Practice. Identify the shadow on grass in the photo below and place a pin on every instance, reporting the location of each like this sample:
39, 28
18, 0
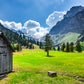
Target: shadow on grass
50, 56
4, 75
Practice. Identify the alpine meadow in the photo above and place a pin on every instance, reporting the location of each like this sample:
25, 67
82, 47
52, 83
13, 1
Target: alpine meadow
42, 42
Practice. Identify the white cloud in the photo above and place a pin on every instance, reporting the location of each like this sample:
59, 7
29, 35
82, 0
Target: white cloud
11, 25
31, 24
31, 27
34, 29
42, 32
54, 18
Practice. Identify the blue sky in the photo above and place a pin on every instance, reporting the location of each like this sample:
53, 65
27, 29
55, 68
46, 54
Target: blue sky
23, 12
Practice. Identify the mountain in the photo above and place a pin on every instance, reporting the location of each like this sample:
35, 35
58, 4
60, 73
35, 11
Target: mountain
61, 24
69, 29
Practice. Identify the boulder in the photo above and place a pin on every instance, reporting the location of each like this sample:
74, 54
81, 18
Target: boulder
52, 74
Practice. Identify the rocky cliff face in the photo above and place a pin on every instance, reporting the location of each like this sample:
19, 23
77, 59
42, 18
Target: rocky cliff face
70, 28
69, 19
75, 24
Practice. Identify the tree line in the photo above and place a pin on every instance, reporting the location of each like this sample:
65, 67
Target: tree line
19, 40
68, 47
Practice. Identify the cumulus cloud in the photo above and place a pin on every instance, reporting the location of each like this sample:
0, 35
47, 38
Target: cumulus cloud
11, 25
31, 27
54, 18
34, 29
31, 24
42, 31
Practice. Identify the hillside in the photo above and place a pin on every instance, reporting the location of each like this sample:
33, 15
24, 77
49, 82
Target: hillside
70, 28
14, 37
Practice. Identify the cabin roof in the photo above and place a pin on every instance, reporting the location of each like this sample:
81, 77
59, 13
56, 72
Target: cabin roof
8, 43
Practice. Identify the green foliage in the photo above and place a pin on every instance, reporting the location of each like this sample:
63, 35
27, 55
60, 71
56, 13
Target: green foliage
71, 47
40, 45
19, 47
78, 47
31, 67
58, 49
54, 48
15, 38
67, 47
48, 43
62, 47
31, 46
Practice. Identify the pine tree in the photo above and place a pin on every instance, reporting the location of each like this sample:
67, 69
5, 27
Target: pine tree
23, 36
31, 46
58, 49
19, 47
71, 47
40, 45
67, 47
62, 47
48, 44
78, 47
54, 49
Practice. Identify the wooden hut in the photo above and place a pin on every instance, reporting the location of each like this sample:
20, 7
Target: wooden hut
5, 55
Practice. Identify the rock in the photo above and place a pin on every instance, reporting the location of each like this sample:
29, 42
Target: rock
52, 74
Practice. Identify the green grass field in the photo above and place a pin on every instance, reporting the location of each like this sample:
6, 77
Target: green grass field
31, 67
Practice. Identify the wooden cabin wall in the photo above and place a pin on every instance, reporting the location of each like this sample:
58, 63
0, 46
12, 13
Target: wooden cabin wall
5, 57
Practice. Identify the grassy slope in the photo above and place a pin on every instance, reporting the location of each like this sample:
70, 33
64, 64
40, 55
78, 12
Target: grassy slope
32, 67
69, 37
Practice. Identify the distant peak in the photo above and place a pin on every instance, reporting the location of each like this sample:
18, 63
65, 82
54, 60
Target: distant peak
76, 8
73, 11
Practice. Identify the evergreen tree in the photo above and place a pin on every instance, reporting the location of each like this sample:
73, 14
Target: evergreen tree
19, 47
48, 44
62, 47
23, 36
31, 46
54, 49
67, 47
58, 49
71, 47
78, 47
40, 45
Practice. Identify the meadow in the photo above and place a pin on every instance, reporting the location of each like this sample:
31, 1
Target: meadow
31, 67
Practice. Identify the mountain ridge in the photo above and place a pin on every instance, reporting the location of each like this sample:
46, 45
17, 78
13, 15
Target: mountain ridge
61, 24
73, 24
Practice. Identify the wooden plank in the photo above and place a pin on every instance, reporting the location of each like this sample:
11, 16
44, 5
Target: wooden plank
5, 57
0, 63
